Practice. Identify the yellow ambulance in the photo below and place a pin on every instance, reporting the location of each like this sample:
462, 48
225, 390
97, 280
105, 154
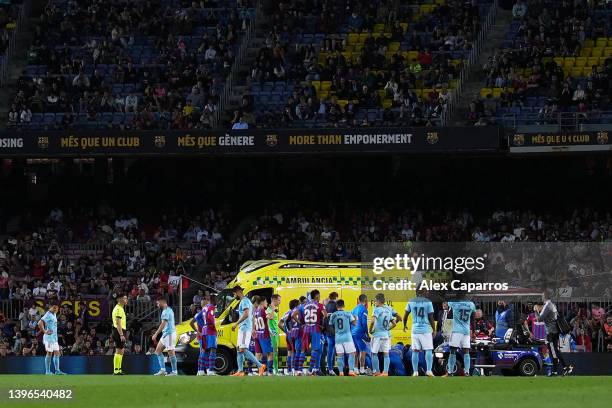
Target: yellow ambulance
289, 279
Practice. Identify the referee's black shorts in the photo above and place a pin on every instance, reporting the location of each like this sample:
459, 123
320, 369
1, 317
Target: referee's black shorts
117, 339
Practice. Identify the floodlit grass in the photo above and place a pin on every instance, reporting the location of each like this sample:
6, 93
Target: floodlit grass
190, 391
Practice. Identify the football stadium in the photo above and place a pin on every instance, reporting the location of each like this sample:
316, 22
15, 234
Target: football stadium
316, 202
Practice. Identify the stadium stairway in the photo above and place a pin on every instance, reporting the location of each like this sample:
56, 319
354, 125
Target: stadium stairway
261, 29
19, 60
473, 84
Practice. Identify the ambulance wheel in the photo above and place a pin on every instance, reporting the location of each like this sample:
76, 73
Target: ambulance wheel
225, 361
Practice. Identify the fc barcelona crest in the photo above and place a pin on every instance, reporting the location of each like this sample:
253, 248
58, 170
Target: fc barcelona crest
272, 140
43, 142
160, 141
432, 137
602, 137
518, 139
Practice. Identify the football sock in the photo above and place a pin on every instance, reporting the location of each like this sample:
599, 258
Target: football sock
249, 356
375, 363
386, 361
290, 363
56, 363
340, 359
162, 363
47, 363
351, 362
240, 361
202, 361
212, 358
429, 359
415, 362
173, 364
466, 362
452, 358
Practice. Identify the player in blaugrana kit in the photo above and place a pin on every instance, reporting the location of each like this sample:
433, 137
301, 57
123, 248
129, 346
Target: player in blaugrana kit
310, 315
291, 330
342, 321
262, 334
422, 329
198, 324
382, 322
463, 315
48, 325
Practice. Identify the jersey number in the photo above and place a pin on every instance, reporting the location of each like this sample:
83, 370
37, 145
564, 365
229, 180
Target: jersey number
464, 315
420, 312
259, 323
310, 316
340, 324
385, 323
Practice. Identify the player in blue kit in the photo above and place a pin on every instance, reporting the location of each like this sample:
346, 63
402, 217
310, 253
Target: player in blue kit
463, 315
342, 321
422, 329
48, 325
168, 339
245, 330
360, 332
382, 322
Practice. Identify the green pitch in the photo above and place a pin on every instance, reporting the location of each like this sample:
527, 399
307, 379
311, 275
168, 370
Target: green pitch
190, 391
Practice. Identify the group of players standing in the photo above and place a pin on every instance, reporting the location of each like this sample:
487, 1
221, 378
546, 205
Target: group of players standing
309, 323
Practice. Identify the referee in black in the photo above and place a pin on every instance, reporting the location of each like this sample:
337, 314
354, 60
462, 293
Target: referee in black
119, 326
547, 313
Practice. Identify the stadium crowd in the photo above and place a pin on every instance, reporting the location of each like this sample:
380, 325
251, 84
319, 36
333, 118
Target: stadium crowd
385, 63
139, 65
547, 65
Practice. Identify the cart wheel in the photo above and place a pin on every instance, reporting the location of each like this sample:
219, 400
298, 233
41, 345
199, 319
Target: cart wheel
527, 368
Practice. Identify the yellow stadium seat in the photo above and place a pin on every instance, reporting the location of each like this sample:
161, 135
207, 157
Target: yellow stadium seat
592, 61
418, 92
394, 46
588, 43
601, 42
485, 91
580, 62
497, 92
607, 52
382, 94
454, 83
349, 48
569, 60
342, 102
597, 52
425, 8
379, 28
586, 52
325, 85
323, 94
577, 72
353, 38
528, 72
440, 2
413, 55
404, 26
317, 85
358, 48
426, 92
559, 61
362, 37
322, 57
347, 55
387, 103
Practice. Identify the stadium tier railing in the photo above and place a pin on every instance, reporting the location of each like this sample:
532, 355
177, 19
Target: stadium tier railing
559, 122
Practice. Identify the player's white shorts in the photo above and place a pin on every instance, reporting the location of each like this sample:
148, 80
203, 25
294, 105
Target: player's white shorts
51, 346
460, 340
345, 348
381, 345
244, 339
169, 341
422, 341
